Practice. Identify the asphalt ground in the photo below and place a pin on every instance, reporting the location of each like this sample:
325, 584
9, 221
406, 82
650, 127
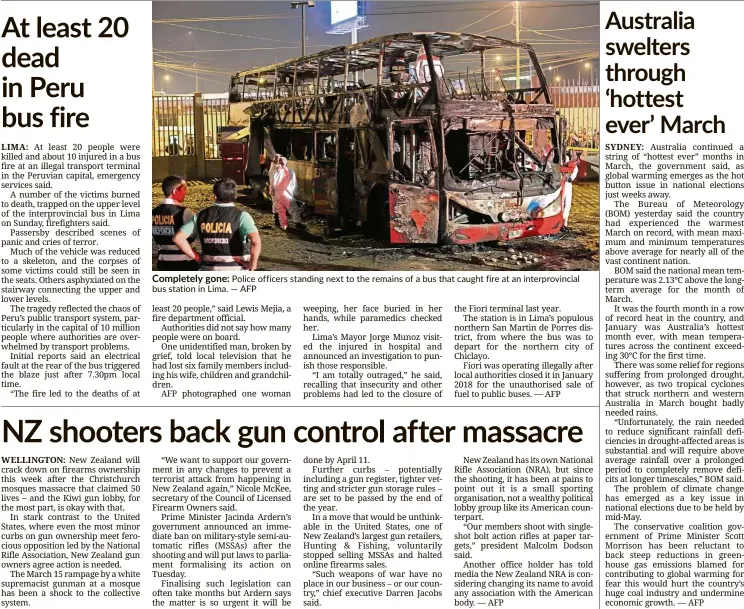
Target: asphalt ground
311, 250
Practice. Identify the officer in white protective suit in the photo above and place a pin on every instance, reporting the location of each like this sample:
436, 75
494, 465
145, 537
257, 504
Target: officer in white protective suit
282, 187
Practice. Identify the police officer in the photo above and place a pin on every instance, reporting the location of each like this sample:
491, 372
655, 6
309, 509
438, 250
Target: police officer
229, 237
167, 219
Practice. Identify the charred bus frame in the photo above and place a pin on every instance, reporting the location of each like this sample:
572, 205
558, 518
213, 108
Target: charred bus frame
428, 160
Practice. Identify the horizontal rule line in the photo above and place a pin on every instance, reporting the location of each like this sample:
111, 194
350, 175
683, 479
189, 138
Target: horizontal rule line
299, 406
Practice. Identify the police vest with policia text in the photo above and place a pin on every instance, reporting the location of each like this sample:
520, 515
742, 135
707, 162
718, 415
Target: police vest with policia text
219, 233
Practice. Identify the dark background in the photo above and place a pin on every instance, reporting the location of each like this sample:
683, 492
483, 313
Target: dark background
271, 34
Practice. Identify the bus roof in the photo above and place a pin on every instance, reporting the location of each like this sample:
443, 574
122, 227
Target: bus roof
365, 55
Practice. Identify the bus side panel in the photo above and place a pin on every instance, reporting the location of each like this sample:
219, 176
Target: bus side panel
324, 191
414, 214
304, 171
237, 115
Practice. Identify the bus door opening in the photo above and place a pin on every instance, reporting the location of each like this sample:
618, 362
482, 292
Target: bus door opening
345, 171
414, 182
324, 182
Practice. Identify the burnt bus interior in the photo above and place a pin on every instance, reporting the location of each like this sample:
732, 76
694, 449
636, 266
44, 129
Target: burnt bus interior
434, 111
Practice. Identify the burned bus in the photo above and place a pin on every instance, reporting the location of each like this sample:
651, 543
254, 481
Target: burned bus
393, 134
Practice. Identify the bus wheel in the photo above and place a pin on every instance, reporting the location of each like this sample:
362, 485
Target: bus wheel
378, 216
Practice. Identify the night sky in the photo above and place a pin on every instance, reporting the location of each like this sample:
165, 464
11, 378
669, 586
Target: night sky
278, 37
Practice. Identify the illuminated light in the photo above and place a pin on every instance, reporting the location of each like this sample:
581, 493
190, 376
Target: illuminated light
432, 198
587, 65
166, 77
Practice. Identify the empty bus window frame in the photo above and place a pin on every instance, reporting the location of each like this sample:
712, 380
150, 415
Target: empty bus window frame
302, 145
325, 147
412, 153
280, 140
